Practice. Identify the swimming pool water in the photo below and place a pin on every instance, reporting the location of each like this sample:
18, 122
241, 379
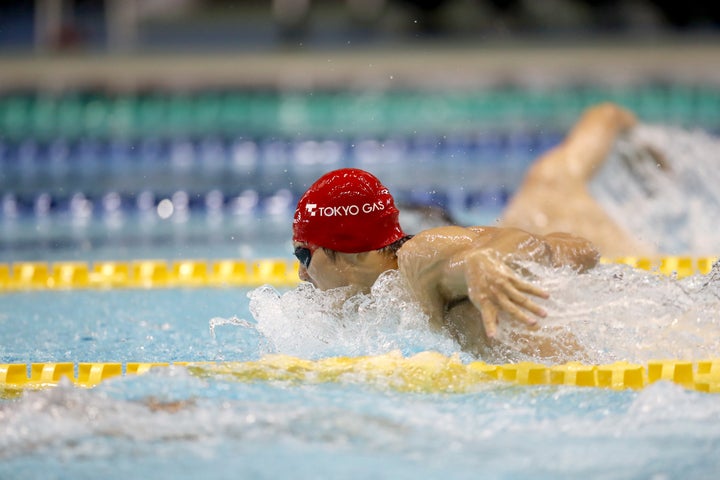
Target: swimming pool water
263, 430
122, 325
173, 423
226, 428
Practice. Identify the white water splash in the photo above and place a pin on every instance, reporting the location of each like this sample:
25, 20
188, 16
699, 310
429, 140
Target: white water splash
614, 312
620, 313
234, 321
676, 208
311, 323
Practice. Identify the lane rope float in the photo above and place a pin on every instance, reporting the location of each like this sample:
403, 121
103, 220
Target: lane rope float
425, 372
227, 272
147, 274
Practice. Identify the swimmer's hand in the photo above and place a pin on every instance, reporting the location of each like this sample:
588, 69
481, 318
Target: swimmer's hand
493, 286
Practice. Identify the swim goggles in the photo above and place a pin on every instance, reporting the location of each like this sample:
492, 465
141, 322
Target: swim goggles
304, 255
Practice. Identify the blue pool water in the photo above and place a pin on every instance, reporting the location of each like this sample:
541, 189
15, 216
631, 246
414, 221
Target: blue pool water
227, 428
216, 427
233, 430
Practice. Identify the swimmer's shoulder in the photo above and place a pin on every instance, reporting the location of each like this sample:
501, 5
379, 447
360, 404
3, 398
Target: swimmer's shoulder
484, 230
450, 234
427, 250
454, 231
439, 242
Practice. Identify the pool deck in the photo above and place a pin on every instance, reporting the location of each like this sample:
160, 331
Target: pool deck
448, 66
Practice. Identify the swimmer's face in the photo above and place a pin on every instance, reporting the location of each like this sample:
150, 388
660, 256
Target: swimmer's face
321, 270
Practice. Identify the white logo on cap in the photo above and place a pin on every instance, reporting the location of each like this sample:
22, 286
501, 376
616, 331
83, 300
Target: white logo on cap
343, 210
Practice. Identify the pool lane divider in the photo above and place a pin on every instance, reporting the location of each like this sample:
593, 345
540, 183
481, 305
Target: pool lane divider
147, 274
229, 272
425, 372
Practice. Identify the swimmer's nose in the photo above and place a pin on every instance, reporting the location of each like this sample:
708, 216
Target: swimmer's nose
303, 274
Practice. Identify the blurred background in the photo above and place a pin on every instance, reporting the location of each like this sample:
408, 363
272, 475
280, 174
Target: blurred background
189, 128
263, 25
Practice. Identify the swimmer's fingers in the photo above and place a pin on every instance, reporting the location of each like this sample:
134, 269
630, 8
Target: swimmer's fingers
517, 299
506, 296
493, 286
518, 304
488, 312
512, 308
529, 288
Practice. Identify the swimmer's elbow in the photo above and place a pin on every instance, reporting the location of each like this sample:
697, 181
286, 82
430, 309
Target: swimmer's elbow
587, 260
575, 252
587, 255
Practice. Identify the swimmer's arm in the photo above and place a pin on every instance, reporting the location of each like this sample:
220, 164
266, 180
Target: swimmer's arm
487, 272
445, 264
419, 262
589, 142
572, 251
556, 249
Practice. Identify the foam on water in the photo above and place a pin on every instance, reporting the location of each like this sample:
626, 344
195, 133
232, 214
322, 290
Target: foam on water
661, 183
171, 424
310, 323
233, 430
619, 313
613, 312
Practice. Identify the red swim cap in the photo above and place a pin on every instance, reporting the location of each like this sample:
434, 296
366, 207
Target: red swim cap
347, 210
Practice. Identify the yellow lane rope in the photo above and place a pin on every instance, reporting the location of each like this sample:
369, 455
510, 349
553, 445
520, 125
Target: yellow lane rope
239, 273
426, 372
147, 274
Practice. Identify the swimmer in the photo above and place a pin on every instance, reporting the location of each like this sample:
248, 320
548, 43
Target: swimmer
554, 194
346, 233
